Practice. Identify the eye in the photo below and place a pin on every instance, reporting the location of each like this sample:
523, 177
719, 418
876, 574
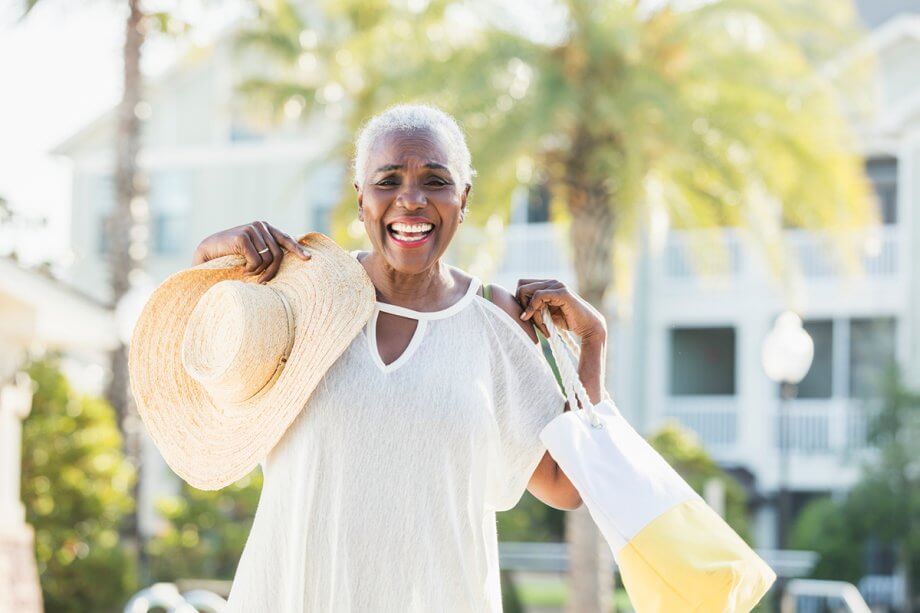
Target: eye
437, 181
386, 182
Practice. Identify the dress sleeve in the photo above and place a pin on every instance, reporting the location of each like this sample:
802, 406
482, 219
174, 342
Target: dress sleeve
525, 397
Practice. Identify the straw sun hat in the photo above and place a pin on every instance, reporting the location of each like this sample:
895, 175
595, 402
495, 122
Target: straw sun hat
220, 365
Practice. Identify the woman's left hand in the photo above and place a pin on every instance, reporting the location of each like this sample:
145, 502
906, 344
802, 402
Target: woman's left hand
568, 310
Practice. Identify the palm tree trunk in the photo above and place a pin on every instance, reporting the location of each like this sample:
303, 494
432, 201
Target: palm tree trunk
590, 578
122, 259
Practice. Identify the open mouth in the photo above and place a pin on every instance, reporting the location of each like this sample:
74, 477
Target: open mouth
410, 234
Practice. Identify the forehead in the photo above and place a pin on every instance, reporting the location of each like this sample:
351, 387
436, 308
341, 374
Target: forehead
396, 146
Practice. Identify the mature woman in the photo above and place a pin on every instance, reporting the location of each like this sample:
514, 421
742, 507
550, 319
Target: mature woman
382, 494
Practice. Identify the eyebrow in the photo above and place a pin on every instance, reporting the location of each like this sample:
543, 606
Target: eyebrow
431, 165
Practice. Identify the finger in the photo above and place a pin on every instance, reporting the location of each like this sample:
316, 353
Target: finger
547, 297
525, 291
523, 281
288, 243
265, 257
277, 255
253, 259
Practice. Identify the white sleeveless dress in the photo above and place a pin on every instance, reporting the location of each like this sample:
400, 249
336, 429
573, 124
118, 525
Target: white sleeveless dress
381, 496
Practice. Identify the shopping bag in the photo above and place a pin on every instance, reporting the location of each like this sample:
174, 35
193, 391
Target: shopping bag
674, 553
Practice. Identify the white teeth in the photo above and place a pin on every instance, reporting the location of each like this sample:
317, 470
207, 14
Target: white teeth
417, 227
408, 239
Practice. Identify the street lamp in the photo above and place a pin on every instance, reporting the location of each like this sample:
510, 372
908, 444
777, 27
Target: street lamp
787, 355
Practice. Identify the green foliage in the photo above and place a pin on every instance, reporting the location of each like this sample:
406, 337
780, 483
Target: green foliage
76, 487
206, 530
531, 520
884, 507
682, 451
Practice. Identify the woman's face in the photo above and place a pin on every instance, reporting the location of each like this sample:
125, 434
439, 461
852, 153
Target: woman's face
412, 200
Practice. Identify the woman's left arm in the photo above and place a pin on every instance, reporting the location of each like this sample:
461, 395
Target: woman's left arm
569, 311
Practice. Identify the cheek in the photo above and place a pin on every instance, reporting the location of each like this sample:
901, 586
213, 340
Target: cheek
372, 207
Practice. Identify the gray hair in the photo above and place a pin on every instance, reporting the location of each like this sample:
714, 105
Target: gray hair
409, 117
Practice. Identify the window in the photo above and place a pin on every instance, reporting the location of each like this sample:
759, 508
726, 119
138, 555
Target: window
702, 361
247, 123
883, 174
818, 383
170, 204
872, 349
323, 190
101, 195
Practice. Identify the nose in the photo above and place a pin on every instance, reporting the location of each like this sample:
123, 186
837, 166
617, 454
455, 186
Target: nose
412, 196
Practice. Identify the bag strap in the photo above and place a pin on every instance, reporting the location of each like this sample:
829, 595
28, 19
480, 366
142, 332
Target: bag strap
544, 343
561, 343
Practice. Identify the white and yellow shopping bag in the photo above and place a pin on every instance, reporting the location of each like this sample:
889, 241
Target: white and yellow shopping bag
674, 553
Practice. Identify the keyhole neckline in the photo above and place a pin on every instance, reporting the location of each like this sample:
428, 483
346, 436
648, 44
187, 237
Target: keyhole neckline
394, 309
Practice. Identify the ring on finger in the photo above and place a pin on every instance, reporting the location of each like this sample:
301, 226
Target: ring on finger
264, 250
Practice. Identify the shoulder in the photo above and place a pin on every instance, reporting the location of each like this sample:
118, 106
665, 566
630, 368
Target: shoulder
507, 302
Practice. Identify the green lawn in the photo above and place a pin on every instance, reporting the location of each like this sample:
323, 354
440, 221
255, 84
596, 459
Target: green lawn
553, 593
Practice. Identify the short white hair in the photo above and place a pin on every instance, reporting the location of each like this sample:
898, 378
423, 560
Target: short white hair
407, 118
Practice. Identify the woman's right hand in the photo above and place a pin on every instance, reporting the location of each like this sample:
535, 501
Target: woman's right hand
248, 240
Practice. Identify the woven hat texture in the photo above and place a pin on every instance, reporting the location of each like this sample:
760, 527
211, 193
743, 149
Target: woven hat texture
220, 365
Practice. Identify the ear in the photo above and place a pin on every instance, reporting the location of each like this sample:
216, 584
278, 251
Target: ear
360, 202
463, 199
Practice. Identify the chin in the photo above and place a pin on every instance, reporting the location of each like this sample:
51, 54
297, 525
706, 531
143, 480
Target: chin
410, 257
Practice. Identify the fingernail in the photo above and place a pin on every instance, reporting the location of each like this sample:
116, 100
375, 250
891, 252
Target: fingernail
524, 315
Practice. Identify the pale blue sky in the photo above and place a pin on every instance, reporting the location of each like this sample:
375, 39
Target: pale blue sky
59, 69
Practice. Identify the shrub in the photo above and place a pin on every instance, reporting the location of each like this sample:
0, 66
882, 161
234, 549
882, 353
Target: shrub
76, 486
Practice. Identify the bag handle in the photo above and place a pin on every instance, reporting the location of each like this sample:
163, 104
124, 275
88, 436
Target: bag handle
565, 351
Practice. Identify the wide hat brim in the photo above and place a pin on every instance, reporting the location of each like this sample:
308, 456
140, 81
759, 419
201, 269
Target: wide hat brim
212, 444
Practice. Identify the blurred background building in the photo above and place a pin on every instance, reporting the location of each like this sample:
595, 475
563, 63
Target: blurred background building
686, 347
690, 350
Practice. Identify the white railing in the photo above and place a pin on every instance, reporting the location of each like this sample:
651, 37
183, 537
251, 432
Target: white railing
542, 250
823, 426
714, 419
809, 427
536, 250
690, 255
815, 254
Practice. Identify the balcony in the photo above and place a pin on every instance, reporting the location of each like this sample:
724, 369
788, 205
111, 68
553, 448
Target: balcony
534, 251
691, 259
726, 258
834, 427
714, 419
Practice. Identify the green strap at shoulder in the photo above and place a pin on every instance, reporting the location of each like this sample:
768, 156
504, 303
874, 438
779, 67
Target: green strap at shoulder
544, 343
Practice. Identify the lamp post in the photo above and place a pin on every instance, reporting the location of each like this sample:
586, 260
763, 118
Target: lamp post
787, 355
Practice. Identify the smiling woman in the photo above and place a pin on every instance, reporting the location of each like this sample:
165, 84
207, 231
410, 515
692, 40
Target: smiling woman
413, 178
381, 495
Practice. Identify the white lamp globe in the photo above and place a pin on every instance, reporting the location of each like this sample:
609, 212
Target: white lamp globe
788, 350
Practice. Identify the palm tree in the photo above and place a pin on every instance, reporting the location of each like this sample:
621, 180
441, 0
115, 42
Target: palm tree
717, 113
124, 233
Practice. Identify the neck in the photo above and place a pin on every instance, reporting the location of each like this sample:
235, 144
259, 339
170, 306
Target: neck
424, 290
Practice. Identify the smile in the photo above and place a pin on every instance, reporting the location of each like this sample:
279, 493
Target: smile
410, 235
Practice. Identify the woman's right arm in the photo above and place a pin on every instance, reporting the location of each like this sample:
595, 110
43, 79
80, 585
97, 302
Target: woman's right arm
248, 240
